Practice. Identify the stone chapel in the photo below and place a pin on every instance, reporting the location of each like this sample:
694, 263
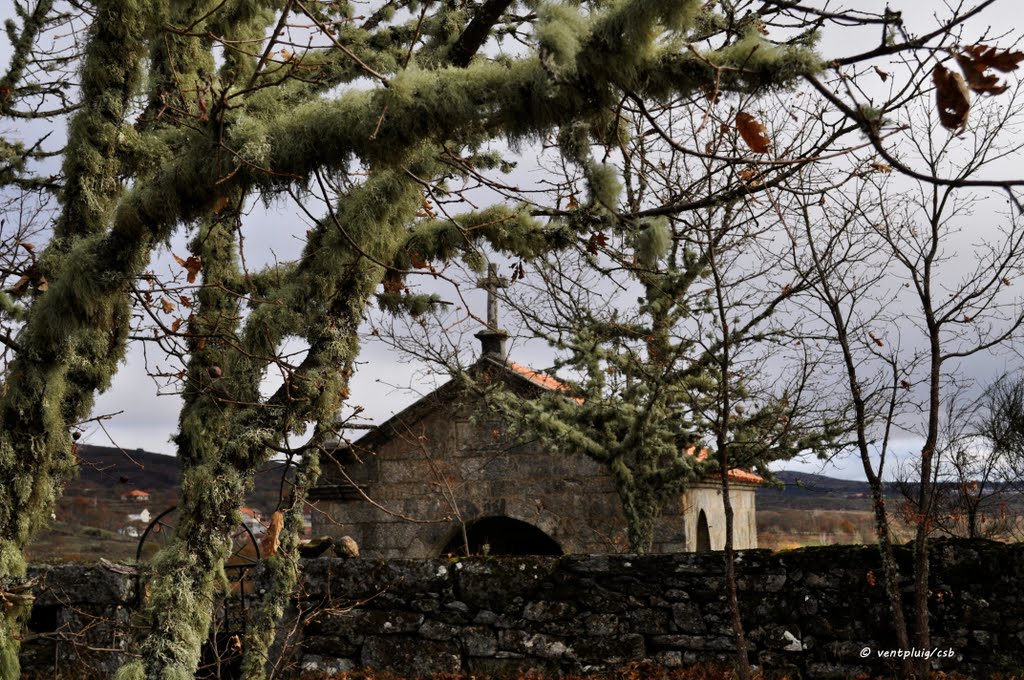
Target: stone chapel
441, 474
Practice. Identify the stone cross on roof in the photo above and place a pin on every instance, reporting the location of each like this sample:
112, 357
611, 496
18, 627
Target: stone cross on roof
493, 338
491, 283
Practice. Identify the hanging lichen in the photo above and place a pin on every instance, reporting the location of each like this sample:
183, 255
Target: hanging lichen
257, 120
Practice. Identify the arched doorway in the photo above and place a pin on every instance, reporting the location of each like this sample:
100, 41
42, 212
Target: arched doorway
703, 533
502, 536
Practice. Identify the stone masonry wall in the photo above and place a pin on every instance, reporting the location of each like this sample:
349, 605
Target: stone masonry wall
808, 613
446, 461
80, 622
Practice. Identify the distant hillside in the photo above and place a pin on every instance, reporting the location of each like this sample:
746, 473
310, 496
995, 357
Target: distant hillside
107, 467
92, 520
801, 490
106, 470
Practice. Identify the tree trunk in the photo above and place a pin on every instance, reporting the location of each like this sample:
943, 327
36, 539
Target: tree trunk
281, 572
890, 572
72, 347
640, 524
736, 617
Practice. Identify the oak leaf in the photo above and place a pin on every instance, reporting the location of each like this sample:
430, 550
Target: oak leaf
193, 265
1000, 60
753, 133
977, 77
952, 97
976, 60
596, 241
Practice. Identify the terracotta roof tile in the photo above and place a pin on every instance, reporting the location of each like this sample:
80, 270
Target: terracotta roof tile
736, 474
542, 379
550, 383
536, 377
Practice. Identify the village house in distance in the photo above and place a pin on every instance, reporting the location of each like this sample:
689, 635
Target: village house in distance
446, 457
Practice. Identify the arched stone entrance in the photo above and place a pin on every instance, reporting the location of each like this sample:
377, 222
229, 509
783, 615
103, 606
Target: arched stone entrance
502, 536
703, 533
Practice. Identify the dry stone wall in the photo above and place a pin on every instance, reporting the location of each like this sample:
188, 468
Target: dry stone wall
80, 624
809, 613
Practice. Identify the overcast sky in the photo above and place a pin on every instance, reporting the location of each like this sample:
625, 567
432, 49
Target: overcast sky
386, 382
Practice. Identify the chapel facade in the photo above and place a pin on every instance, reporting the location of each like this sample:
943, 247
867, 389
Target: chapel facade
443, 474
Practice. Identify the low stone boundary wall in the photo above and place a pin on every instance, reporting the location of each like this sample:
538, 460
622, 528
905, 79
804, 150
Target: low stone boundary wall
80, 622
808, 613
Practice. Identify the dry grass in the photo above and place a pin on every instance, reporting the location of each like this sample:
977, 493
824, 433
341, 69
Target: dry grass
788, 529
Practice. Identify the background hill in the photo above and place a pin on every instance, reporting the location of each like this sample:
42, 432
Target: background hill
801, 490
105, 470
93, 518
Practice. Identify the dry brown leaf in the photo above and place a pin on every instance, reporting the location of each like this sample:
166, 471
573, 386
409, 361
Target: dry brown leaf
417, 261
271, 540
176, 324
596, 241
747, 174
753, 133
977, 77
976, 60
166, 305
194, 265
952, 98
426, 209
881, 167
884, 75
394, 282
987, 56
